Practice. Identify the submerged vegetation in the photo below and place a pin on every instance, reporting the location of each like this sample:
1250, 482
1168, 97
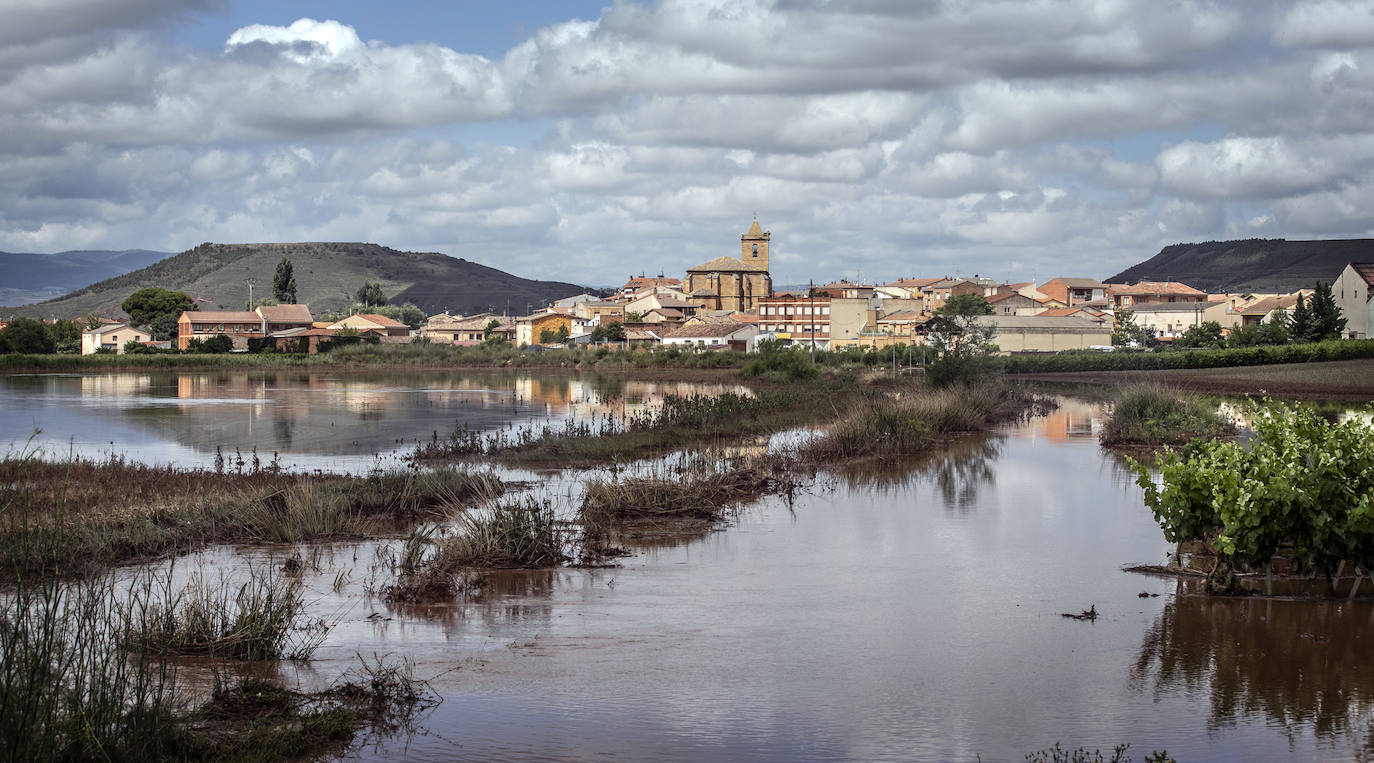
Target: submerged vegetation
65, 518
910, 422
1304, 483
1154, 415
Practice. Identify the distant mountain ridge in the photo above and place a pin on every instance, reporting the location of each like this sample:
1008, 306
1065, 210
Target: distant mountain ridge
32, 277
327, 274
1251, 265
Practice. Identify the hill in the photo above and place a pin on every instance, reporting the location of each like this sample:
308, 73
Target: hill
33, 277
1250, 266
327, 275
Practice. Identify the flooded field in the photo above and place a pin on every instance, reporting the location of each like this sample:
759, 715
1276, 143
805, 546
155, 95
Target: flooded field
333, 421
911, 614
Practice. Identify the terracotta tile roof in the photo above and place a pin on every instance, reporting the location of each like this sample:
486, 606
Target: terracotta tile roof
1081, 283
706, 329
1270, 304
727, 265
286, 313
1059, 312
913, 283
1154, 287
381, 320
1364, 270
223, 316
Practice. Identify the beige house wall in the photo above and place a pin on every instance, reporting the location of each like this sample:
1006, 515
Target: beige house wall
1050, 340
1352, 296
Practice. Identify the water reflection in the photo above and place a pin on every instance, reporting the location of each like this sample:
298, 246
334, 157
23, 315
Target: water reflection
1298, 664
181, 418
958, 471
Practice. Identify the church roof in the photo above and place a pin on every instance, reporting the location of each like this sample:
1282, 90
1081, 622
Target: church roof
727, 265
754, 230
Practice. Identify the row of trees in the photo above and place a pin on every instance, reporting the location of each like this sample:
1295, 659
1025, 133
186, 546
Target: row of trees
1311, 321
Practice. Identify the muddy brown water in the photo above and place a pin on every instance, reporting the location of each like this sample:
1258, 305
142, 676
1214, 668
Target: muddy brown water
902, 614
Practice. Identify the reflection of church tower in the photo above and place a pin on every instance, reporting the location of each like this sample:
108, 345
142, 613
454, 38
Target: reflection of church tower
753, 249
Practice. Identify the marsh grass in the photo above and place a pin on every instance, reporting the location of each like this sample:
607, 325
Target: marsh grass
700, 493
257, 619
914, 419
1153, 415
691, 421
85, 525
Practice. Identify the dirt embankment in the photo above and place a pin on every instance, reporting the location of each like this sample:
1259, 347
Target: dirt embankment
1347, 380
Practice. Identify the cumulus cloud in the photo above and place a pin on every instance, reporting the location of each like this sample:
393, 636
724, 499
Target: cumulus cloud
1074, 136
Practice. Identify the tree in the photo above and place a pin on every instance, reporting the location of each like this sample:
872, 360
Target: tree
491, 326
1127, 333
610, 332
284, 282
157, 309
962, 342
1301, 323
370, 294
28, 336
561, 336
546, 336
66, 335
1206, 334
1326, 319
1275, 331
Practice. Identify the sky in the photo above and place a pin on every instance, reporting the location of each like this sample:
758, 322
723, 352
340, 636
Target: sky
593, 141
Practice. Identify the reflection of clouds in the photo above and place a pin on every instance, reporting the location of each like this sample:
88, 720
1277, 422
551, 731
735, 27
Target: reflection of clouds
1295, 664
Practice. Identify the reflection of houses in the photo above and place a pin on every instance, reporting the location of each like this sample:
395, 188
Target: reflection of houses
112, 336
727, 283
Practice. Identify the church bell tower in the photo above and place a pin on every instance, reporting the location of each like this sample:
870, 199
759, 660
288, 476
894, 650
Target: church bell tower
754, 247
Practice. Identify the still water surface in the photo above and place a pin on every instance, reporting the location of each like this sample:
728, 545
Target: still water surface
913, 615
334, 421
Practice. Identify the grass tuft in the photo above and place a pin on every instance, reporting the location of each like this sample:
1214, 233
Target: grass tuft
1151, 416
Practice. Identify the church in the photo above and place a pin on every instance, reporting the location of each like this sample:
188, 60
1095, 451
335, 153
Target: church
727, 283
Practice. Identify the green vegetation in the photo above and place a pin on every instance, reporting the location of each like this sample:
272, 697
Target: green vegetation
284, 282
26, 335
779, 363
158, 309
1152, 416
1303, 481
517, 533
1318, 321
1127, 333
370, 294
157, 511
961, 342
255, 620
698, 497
894, 426
1348, 349
610, 332
1057, 754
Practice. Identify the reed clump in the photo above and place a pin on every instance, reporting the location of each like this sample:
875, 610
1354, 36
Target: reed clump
520, 533
700, 496
159, 511
258, 619
1153, 415
914, 419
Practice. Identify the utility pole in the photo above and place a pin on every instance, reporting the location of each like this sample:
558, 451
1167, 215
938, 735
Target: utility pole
811, 308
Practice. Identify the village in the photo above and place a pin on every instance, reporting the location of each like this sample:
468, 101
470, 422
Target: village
730, 304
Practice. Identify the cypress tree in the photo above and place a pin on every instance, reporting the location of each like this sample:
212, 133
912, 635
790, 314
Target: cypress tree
1326, 321
1301, 324
284, 283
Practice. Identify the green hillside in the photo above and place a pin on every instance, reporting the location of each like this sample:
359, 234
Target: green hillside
327, 275
1250, 266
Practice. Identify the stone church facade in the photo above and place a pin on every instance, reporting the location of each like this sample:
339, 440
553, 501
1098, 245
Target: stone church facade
729, 283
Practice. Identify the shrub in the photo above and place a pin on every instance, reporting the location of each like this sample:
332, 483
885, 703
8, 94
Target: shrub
1152, 415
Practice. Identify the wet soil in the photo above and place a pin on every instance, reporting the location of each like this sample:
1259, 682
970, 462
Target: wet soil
1344, 380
